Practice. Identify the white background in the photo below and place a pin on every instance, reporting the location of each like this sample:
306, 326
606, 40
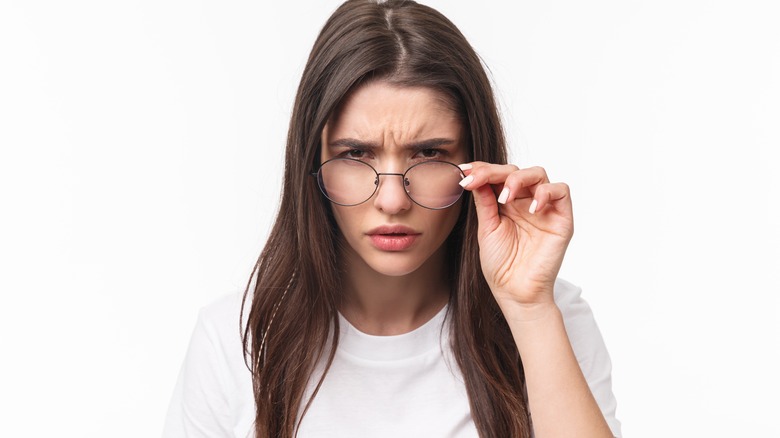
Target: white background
141, 162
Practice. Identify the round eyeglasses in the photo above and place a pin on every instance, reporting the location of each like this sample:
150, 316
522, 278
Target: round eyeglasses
431, 184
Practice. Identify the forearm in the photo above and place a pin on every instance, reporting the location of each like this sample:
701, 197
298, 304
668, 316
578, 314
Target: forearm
559, 398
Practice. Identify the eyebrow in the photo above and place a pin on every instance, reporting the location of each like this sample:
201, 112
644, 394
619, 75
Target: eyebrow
415, 145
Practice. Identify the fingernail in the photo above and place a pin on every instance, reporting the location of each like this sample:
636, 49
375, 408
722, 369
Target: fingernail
532, 210
466, 181
465, 166
503, 196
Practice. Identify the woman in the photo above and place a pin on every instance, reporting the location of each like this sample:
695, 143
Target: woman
409, 269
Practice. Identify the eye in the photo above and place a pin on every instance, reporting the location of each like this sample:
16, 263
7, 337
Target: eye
431, 153
355, 154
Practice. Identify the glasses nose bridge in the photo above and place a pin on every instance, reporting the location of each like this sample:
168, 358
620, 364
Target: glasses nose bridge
390, 174
404, 181
388, 195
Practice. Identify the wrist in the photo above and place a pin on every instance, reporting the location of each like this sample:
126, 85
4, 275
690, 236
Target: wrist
529, 312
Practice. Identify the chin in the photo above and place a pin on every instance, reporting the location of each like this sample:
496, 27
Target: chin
362, 256
393, 265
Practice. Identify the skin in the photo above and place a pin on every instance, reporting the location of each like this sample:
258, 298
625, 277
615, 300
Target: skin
521, 247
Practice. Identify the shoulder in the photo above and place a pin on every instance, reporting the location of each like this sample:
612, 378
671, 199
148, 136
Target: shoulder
213, 394
223, 307
220, 322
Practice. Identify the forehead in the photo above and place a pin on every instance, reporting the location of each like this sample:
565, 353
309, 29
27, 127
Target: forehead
379, 110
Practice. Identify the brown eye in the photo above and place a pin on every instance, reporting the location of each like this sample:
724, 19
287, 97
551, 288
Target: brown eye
431, 153
355, 153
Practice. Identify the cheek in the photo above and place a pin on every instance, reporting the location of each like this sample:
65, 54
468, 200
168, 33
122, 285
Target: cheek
455, 214
338, 217
446, 226
449, 217
346, 218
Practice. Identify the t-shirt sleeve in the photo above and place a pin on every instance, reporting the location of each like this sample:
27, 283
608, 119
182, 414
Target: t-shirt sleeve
201, 402
589, 348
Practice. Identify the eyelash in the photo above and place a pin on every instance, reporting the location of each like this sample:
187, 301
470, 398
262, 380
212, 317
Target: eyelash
349, 152
439, 152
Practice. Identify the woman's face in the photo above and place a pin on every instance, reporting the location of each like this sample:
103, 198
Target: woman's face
392, 128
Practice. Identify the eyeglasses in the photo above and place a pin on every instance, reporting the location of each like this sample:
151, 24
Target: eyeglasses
431, 184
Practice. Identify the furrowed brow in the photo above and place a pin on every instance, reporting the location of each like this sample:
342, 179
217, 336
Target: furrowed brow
429, 144
416, 145
352, 143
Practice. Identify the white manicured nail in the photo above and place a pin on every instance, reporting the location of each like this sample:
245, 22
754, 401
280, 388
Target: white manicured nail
465, 166
503, 196
466, 181
532, 210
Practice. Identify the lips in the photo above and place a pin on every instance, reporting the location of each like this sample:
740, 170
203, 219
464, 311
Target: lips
392, 237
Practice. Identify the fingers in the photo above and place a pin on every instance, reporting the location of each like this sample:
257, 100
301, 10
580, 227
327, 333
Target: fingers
509, 183
483, 173
557, 194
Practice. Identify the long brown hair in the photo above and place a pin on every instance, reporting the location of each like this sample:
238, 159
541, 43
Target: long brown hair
295, 283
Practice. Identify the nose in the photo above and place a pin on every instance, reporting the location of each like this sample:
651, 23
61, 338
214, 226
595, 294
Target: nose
391, 197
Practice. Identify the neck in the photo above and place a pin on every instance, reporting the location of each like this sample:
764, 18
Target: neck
383, 305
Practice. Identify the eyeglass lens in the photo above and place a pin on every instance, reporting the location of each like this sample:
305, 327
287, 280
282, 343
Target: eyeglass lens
431, 184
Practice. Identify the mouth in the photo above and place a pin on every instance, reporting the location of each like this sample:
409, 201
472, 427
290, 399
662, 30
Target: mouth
393, 230
393, 237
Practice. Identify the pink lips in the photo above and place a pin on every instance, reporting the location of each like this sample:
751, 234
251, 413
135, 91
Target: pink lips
392, 237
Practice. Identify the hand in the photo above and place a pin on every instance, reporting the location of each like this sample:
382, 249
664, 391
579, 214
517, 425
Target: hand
525, 225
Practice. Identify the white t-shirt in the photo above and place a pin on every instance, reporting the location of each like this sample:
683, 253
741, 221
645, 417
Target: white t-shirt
407, 385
